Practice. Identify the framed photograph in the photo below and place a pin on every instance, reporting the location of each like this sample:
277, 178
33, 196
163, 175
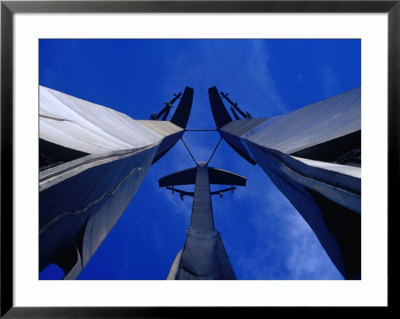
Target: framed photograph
149, 141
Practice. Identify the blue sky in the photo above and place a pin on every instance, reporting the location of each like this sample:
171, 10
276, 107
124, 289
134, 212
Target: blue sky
263, 234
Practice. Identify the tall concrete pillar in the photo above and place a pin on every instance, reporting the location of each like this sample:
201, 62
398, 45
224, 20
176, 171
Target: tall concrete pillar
313, 156
203, 256
92, 161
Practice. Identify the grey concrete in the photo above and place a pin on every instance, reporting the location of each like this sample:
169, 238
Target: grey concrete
82, 196
313, 124
326, 194
90, 201
94, 129
203, 256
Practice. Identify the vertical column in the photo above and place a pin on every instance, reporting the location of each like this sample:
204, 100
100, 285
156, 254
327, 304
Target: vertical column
202, 215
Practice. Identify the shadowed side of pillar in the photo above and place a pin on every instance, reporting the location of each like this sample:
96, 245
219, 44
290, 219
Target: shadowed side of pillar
203, 256
313, 156
92, 161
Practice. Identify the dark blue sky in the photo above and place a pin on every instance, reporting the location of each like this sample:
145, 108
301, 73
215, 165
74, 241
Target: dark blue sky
263, 234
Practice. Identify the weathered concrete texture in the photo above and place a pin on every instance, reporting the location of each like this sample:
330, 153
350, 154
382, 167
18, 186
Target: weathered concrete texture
297, 183
203, 256
202, 213
88, 204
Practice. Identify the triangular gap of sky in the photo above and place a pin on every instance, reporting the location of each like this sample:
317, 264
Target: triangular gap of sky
263, 234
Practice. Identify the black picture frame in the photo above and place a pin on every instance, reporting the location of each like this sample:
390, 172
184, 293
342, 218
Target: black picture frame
9, 8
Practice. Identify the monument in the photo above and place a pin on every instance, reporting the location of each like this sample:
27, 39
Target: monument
93, 159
